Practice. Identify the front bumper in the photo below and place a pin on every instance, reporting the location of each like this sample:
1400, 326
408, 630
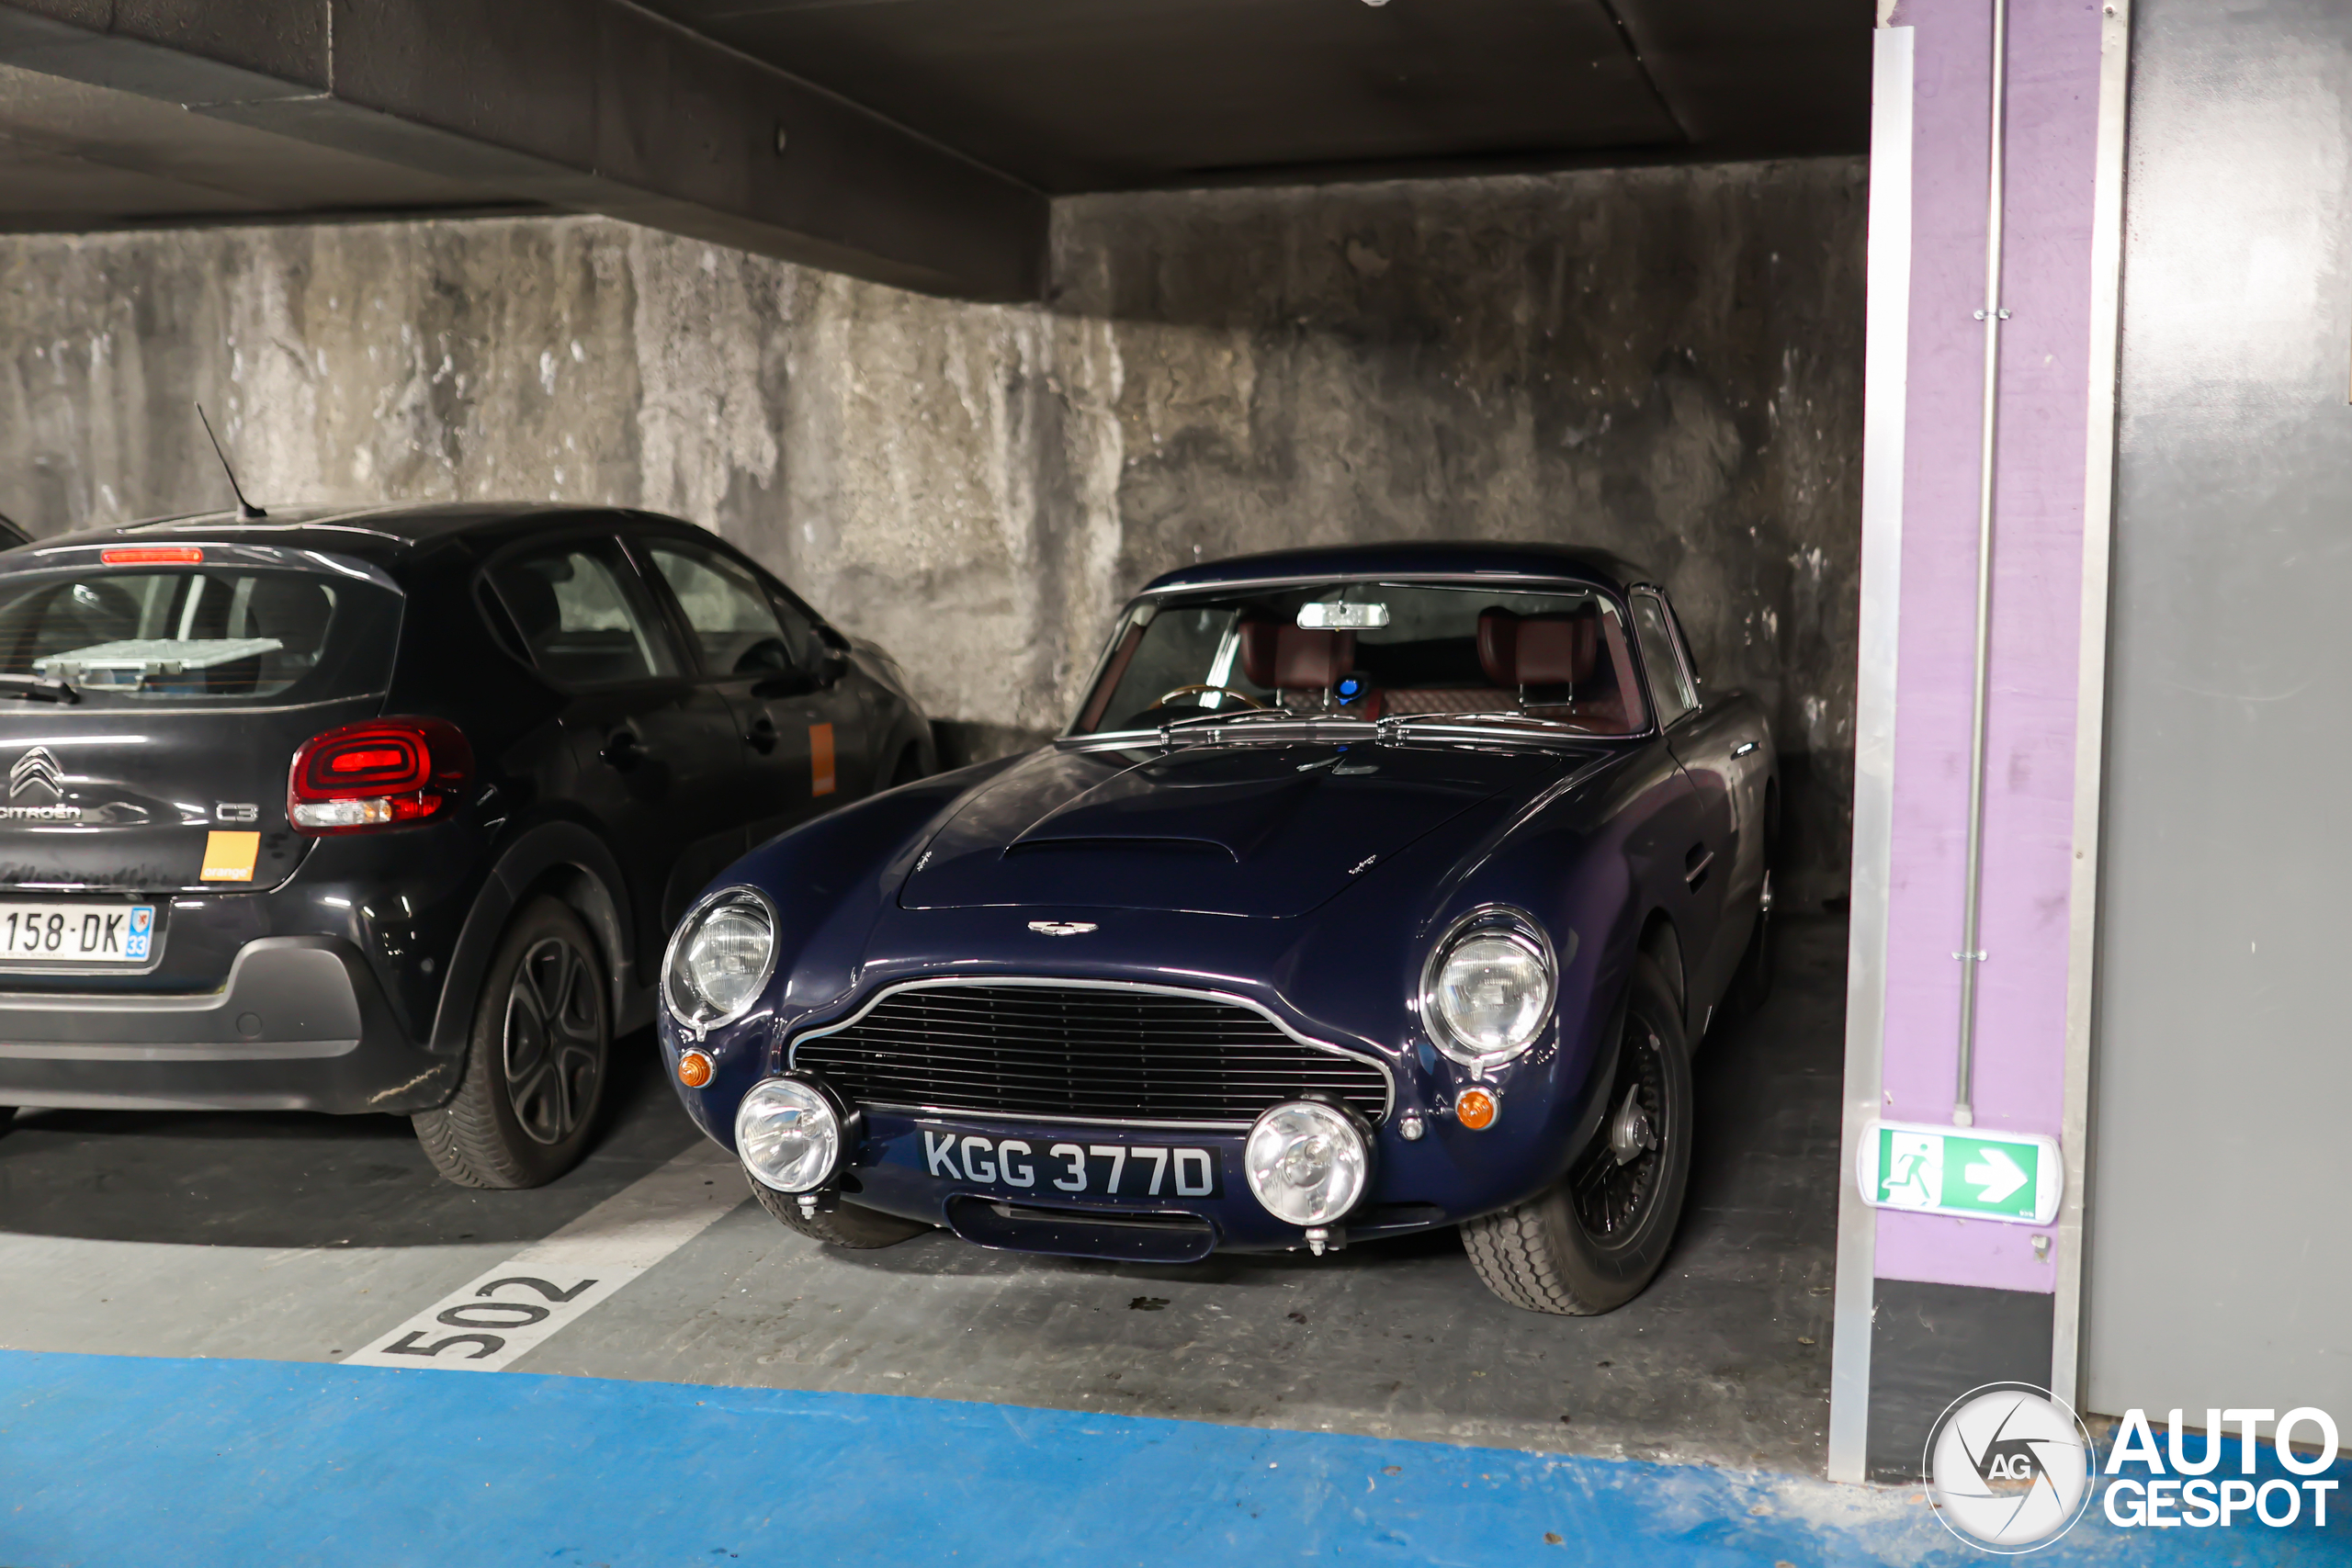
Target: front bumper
902, 1166
300, 1024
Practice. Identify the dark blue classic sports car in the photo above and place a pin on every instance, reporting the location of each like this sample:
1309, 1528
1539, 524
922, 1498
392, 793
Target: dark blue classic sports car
1372, 889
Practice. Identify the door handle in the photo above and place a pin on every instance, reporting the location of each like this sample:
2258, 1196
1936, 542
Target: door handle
1695, 864
1743, 748
622, 750
761, 736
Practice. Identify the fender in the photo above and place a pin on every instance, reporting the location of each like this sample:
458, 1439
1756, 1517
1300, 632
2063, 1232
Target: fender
602, 900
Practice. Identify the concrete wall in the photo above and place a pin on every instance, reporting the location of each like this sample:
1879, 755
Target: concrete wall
1666, 362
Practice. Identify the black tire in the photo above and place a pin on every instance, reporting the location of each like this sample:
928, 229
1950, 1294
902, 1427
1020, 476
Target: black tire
1594, 1240
907, 768
536, 1063
845, 1224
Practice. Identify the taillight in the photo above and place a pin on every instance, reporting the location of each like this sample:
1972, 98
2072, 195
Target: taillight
381, 773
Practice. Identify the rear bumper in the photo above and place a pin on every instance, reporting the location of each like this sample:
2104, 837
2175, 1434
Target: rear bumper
301, 1024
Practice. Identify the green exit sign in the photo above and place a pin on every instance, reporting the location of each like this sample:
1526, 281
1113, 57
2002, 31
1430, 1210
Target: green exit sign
1942, 1169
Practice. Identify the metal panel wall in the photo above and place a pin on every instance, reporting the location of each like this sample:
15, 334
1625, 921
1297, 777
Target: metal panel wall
2220, 1153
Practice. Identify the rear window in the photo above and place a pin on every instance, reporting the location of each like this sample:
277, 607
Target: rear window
194, 634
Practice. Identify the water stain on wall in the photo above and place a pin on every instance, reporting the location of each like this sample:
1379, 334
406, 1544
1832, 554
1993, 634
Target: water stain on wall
1664, 361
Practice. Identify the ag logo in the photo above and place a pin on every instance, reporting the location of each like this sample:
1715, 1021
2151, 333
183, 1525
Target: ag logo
2009, 1468
1063, 928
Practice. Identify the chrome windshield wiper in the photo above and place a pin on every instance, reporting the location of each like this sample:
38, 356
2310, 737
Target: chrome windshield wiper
1525, 724
1209, 725
39, 688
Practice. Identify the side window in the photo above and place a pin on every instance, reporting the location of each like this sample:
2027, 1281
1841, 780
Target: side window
1670, 686
732, 620
1689, 660
809, 646
583, 615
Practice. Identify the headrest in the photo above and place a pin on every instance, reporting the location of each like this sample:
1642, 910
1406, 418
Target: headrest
1558, 650
531, 599
1282, 657
1260, 633
1499, 646
1539, 650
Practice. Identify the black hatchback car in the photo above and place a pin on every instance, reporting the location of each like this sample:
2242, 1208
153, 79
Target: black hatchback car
391, 810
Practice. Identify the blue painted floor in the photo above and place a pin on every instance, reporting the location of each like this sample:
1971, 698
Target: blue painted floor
127, 1461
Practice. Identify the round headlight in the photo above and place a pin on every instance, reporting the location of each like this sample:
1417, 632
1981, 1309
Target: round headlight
721, 959
1487, 993
789, 1135
1307, 1162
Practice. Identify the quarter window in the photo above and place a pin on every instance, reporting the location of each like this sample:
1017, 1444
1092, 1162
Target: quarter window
583, 614
1669, 683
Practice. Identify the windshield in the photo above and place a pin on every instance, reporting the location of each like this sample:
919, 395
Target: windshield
172, 635
1373, 651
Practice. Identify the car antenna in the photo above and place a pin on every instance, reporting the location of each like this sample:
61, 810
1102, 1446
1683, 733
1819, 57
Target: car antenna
245, 508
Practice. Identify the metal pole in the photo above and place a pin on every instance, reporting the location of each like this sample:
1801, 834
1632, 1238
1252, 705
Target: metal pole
1971, 955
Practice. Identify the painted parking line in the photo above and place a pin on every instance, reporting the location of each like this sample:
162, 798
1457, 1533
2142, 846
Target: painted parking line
504, 1313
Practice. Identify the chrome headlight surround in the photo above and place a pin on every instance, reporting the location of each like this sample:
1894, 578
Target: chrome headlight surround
1489, 923
684, 994
793, 1134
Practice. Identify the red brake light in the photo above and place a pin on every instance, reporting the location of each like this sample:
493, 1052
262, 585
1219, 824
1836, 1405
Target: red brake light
379, 773
153, 555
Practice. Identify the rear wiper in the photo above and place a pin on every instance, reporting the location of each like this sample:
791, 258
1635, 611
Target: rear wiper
38, 689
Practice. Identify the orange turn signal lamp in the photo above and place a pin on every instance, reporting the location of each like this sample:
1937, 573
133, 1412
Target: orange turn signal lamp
694, 1068
1477, 1108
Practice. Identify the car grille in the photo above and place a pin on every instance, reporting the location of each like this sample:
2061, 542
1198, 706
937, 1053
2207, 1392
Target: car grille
1089, 1053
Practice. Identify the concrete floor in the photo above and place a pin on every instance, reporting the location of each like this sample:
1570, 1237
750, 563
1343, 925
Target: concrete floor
305, 1239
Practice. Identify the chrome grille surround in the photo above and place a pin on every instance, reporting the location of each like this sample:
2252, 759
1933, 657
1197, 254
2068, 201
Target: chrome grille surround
1011, 1087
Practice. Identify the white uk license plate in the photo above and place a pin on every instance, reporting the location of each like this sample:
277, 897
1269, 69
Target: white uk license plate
76, 932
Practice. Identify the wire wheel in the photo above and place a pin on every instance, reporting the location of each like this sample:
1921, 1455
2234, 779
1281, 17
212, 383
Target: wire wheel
1611, 1188
553, 1043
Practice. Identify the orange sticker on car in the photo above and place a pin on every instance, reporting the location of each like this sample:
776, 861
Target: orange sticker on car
229, 857
820, 759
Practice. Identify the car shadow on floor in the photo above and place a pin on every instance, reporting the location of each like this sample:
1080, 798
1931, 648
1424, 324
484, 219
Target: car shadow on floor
295, 1180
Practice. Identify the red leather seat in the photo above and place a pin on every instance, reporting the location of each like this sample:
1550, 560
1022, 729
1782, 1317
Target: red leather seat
1284, 656
1554, 664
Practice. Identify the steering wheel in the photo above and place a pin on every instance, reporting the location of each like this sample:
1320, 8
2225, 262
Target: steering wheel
1167, 697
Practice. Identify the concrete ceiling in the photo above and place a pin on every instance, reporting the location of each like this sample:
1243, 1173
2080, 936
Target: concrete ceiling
914, 141
1075, 95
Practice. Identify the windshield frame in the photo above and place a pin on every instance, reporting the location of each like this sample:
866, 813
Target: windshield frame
1519, 726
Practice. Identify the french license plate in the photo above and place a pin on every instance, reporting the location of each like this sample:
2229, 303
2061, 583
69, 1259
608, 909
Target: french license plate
1073, 1170
76, 932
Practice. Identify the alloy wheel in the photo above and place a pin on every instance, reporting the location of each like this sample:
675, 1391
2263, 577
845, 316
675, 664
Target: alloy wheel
554, 1045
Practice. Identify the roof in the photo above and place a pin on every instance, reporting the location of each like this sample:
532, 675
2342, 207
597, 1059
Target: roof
1416, 558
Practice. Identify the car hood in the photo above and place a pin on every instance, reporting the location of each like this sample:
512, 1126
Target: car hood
1266, 829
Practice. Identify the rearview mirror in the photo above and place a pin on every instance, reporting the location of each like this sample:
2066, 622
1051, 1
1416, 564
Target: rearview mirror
1326, 616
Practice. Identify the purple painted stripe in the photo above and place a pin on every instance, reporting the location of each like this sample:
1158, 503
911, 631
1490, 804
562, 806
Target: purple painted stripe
2020, 1038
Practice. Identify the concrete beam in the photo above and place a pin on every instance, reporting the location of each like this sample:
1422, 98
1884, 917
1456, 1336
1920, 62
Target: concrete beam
593, 105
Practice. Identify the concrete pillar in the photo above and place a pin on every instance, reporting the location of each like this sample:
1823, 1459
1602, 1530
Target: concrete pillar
1929, 1305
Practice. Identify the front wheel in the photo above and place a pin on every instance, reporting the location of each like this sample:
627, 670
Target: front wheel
845, 1224
536, 1063
1595, 1238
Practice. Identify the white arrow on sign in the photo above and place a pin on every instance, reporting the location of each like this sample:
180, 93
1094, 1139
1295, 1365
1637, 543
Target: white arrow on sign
1998, 1175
